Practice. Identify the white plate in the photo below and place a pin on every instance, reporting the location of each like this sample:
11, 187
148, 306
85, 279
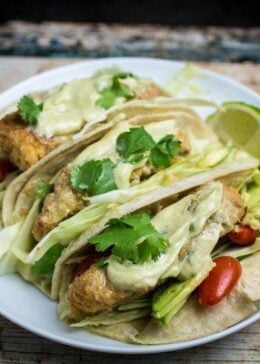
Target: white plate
22, 303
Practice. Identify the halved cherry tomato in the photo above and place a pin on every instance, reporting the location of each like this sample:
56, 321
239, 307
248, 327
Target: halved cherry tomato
5, 168
220, 281
243, 235
86, 263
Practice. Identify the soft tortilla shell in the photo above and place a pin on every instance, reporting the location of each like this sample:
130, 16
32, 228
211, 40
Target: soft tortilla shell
193, 320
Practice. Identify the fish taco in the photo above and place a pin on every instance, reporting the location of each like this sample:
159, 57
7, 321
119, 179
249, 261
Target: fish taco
131, 220
47, 127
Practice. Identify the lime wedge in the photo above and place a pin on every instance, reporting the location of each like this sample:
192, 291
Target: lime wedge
239, 123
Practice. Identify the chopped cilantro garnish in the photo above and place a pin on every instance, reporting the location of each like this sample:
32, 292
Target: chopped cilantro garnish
43, 187
44, 267
162, 153
133, 144
95, 177
29, 110
136, 144
115, 90
132, 238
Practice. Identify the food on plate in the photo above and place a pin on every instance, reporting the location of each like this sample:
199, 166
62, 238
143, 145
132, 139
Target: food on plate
44, 121
130, 211
50, 125
240, 123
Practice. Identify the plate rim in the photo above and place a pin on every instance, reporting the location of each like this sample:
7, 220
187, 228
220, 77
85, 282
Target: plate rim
129, 348
135, 349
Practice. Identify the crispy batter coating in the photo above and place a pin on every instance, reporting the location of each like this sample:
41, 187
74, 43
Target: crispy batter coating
60, 204
232, 209
92, 292
21, 145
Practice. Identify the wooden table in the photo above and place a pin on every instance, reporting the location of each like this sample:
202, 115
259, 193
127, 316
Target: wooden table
20, 346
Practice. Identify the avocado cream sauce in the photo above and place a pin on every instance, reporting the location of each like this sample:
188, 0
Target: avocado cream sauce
180, 223
68, 108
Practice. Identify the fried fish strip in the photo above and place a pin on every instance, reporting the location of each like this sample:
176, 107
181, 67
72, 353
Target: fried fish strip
21, 145
58, 205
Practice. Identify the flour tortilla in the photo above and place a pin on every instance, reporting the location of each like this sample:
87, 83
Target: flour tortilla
193, 320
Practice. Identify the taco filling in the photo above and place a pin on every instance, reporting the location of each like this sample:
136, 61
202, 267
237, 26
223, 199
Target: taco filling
146, 251
131, 213
44, 121
146, 266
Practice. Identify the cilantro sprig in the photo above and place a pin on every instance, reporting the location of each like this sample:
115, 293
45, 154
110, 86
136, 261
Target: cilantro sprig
115, 90
136, 144
132, 238
162, 153
29, 110
94, 176
133, 144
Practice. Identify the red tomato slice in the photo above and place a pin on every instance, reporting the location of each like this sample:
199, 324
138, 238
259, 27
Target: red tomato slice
244, 235
5, 168
220, 281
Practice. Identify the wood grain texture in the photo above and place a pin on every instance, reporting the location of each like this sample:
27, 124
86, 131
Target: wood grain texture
18, 346
95, 40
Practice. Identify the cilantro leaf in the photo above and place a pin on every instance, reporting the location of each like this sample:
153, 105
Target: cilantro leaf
29, 110
43, 187
162, 153
95, 177
136, 144
44, 267
132, 145
132, 238
102, 262
117, 89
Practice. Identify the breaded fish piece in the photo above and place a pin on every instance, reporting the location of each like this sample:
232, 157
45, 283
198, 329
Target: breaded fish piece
20, 144
92, 291
232, 209
58, 205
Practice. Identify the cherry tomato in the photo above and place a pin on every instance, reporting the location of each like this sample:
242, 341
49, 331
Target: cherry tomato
86, 263
244, 235
5, 168
220, 281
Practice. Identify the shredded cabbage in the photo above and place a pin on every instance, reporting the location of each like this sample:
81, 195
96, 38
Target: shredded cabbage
7, 238
68, 230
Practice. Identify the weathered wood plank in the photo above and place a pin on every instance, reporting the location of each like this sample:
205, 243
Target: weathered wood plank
20, 346
102, 40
